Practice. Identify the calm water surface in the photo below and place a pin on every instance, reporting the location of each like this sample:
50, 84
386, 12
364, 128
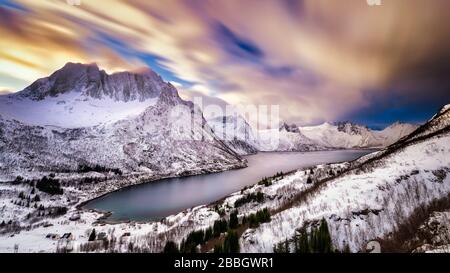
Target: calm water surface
155, 200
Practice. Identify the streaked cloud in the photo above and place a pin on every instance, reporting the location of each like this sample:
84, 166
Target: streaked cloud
318, 59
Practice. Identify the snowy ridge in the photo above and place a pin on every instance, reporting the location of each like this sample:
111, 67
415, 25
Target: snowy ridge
349, 135
236, 133
344, 135
288, 141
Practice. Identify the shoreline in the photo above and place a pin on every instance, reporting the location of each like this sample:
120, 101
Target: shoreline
210, 204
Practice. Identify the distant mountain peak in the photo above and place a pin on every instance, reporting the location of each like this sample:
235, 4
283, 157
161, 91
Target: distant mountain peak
293, 128
91, 81
350, 127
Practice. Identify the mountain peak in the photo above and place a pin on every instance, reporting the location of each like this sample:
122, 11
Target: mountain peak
89, 80
289, 128
397, 124
350, 127
71, 65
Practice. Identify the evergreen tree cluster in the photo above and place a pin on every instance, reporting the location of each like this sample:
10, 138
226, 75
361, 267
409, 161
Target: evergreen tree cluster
230, 244
171, 247
266, 182
231, 241
195, 238
99, 169
220, 226
49, 185
254, 219
199, 237
257, 197
318, 240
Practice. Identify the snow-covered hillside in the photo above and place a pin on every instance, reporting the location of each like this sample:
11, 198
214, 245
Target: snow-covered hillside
129, 125
349, 135
236, 133
373, 198
287, 138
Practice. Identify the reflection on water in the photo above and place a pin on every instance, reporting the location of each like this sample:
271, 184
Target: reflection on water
159, 199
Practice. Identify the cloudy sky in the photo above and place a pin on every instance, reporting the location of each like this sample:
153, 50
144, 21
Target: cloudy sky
320, 60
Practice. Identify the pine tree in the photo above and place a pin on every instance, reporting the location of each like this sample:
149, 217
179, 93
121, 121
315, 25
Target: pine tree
231, 243
296, 243
93, 236
325, 245
304, 243
218, 249
171, 247
234, 222
208, 234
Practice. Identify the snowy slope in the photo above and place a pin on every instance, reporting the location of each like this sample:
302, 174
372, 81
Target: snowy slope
372, 198
393, 133
236, 133
135, 132
70, 110
80, 95
349, 135
287, 138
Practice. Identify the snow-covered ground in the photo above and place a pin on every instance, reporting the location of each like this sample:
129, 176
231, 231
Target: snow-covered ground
70, 110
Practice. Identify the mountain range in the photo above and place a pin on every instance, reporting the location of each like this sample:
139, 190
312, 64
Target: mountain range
342, 135
81, 117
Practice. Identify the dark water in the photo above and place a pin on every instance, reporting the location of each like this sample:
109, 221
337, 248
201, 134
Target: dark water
155, 200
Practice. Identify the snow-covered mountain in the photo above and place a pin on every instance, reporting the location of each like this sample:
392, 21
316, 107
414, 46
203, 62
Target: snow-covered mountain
81, 117
81, 95
384, 196
343, 135
236, 133
287, 138
394, 132
350, 135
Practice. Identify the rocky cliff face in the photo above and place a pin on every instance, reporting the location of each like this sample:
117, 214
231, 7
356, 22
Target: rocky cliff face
89, 80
